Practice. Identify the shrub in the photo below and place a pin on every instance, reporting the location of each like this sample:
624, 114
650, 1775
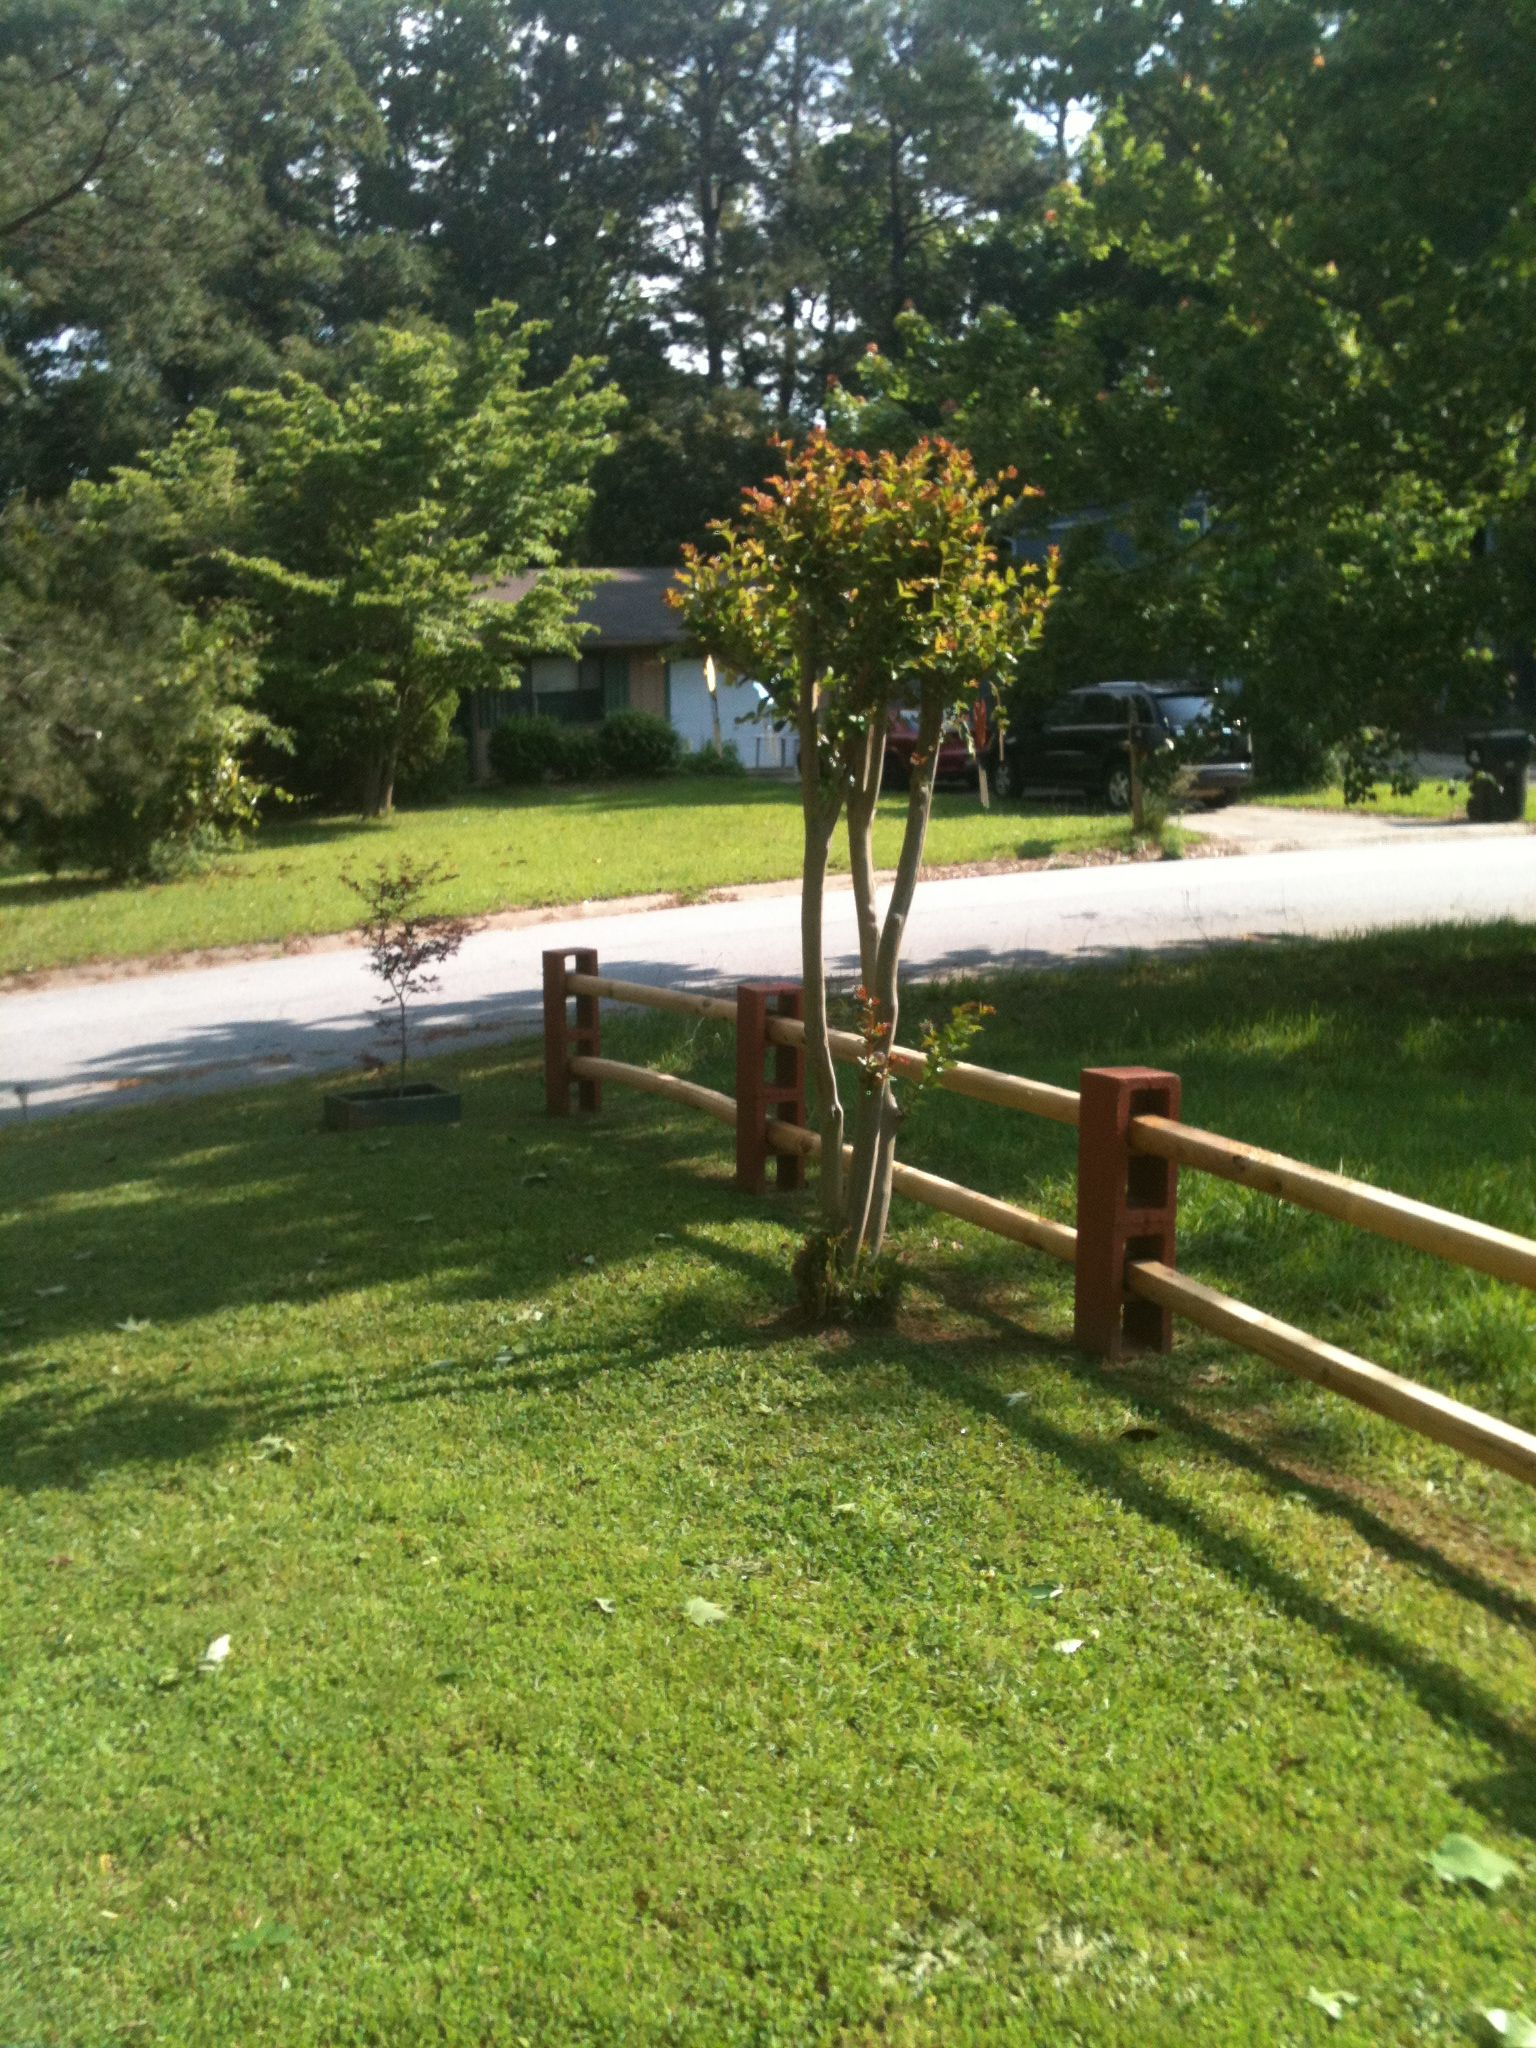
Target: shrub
439, 781
707, 762
581, 753
636, 743
125, 722
527, 750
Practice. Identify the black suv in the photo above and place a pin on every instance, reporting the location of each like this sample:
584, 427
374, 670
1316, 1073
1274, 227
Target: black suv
1083, 743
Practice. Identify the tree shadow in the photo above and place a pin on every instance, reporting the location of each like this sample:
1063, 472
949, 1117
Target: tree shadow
26, 892
175, 1219
1443, 1691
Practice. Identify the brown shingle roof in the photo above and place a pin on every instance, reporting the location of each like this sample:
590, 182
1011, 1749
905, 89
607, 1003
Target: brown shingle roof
627, 609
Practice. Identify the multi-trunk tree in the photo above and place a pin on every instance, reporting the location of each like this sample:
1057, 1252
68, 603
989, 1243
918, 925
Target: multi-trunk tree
851, 587
362, 530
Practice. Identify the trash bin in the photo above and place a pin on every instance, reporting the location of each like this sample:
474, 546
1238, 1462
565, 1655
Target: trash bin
1500, 762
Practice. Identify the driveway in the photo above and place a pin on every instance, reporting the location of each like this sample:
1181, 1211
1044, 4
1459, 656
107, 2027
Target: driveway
148, 1036
1271, 828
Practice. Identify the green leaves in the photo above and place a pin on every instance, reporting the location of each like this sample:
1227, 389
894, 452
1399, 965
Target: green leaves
704, 1613
1460, 1860
362, 529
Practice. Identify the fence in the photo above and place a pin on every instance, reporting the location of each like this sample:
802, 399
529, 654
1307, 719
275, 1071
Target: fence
1131, 1145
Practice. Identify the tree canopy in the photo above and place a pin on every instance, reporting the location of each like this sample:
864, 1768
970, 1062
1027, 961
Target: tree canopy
361, 531
1245, 286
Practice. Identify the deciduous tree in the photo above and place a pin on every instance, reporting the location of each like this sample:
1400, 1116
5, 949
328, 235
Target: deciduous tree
851, 586
362, 529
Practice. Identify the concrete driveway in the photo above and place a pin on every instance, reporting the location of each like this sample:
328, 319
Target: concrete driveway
1271, 828
143, 1037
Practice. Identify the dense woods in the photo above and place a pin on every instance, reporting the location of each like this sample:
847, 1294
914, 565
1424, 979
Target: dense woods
1246, 287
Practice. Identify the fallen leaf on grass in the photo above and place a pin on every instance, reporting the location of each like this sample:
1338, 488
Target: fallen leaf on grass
1513, 2027
424, 1217
275, 1448
531, 1180
1334, 2003
43, 1292
1460, 1860
133, 1324
605, 1606
664, 1237
1038, 1595
1013, 1400
1070, 1647
215, 1654
704, 1613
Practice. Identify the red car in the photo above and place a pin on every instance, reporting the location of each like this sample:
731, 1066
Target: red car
958, 749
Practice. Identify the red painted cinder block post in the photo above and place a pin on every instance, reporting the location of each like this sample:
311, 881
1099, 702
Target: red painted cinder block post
770, 1083
1126, 1210
562, 1036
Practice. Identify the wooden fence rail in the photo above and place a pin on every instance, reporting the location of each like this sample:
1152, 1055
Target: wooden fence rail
1130, 1147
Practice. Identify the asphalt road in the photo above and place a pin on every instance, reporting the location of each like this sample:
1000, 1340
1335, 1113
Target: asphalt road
142, 1037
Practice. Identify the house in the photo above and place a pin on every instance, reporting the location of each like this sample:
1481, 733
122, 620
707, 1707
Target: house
634, 657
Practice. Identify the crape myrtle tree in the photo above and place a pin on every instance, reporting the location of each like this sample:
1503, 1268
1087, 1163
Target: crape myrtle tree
849, 587
362, 528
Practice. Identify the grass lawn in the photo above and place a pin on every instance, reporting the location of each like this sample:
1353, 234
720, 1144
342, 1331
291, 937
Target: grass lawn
508, 851
1435, 797
446, 1430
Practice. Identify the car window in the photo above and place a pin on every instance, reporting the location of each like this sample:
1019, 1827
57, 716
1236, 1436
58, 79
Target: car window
1102, 707
1185, 710
1065, 711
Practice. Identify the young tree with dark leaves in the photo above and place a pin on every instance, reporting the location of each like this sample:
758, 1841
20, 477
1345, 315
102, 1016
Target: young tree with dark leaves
851, 587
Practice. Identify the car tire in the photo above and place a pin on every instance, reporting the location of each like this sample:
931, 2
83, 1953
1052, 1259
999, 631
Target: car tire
1116, 789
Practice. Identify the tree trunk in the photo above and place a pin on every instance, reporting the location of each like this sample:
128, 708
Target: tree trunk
863, 800
1133, 756
896, 235
790, 221
819, 810
710, 311
379, 780
879, 1114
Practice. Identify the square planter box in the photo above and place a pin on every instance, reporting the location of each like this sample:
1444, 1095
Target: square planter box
365, 1109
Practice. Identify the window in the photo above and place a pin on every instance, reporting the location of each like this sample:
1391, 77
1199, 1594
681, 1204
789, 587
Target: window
604, 678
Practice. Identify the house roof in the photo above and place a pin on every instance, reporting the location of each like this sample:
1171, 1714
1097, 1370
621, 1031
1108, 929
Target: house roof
627, 609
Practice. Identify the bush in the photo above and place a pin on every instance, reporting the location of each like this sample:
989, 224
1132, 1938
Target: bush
439, 781
638, 744
580, 754
125, 727
527, 750
707, 762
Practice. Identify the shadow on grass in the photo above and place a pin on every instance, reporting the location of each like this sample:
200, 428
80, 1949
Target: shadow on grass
255, 1209
1444, 1692
248, 1206
24, 892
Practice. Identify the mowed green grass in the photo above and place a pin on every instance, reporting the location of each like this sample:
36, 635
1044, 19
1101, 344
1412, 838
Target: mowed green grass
1437, 797
397, 1413
506, 852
